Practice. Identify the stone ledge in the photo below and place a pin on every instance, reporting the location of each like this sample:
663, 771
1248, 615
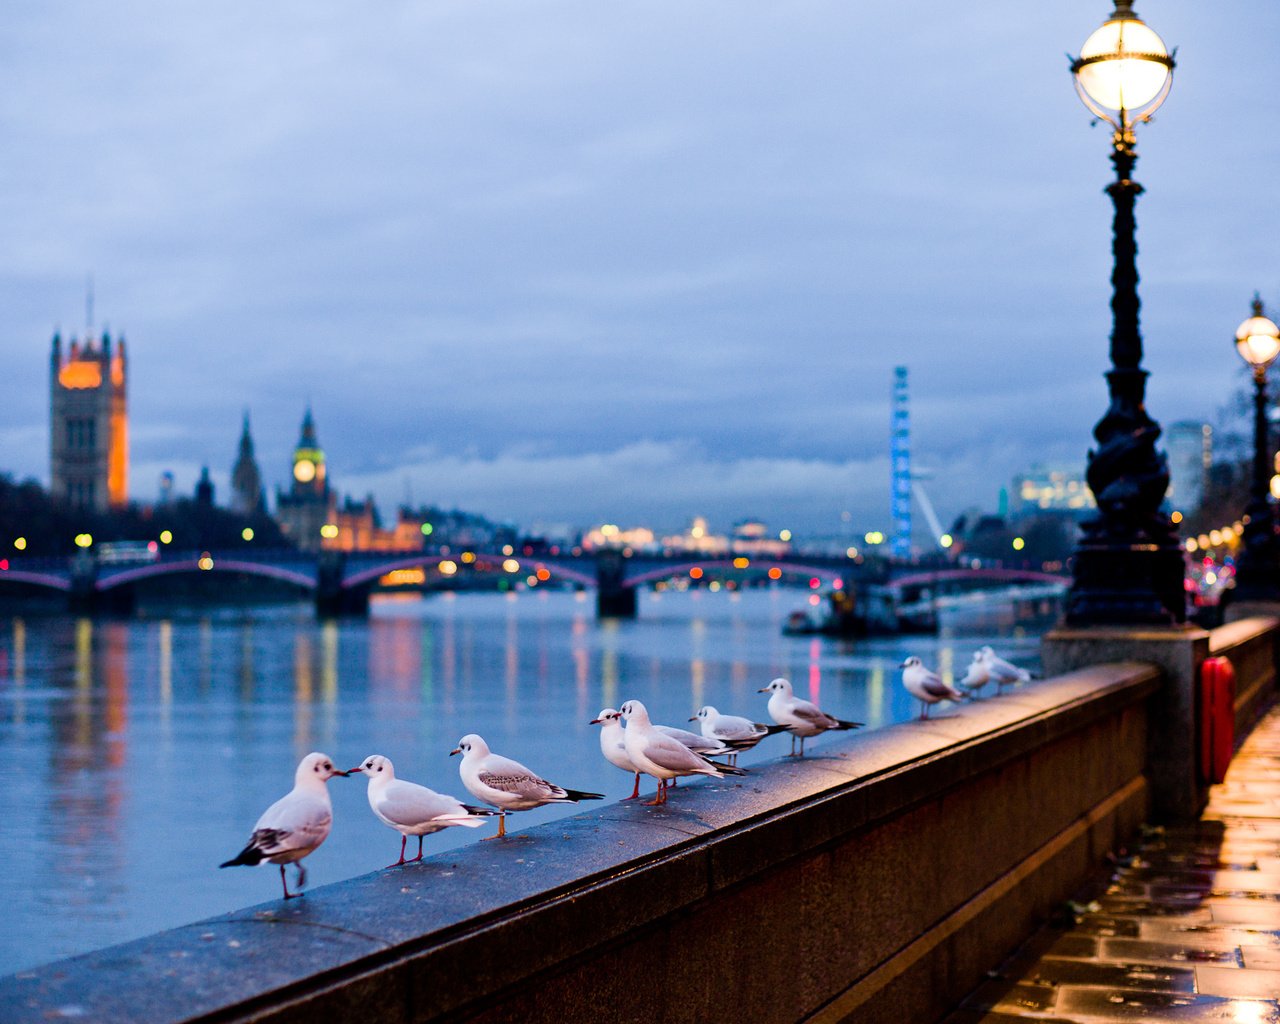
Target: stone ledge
498, 914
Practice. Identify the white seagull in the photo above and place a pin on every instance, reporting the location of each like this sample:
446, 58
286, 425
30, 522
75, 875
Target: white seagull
976, 676
926, 686
733, 731
613, 745
665, 758
1004, 673
294, 825
506, 784
798, 716
410, 809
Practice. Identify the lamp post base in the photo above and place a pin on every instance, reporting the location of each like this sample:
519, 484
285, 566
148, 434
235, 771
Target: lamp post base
1130, 585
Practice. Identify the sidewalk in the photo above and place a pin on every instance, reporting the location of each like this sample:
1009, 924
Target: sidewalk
1188, 930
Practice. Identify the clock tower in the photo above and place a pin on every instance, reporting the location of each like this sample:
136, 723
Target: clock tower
307, 506
308, 463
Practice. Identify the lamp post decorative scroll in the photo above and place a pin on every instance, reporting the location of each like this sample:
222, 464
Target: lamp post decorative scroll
1258, 568
1128, 567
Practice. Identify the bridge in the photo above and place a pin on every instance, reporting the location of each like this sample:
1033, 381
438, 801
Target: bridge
341, 582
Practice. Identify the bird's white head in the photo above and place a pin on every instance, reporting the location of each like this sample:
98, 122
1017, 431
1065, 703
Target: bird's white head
779, 685
317, 766
986, 652
470, 745
376, 767
634, 711
606, 716
706, 714
911, 662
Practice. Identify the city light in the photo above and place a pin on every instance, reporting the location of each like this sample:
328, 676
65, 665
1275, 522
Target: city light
784, 535
1192, 544
166, 536
695, 573
1176, 517
741, 563
20, 543
447, 568
427, 529
814, 583
851, 552
403, 578
329, 531
206, 561
874, 537
946, 540
543, 574
84, 540
247, 533
468, 557
510, 565
507, 549
775, 573
1019, 543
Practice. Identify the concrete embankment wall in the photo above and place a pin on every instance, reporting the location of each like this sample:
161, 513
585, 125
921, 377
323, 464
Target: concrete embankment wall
875, 880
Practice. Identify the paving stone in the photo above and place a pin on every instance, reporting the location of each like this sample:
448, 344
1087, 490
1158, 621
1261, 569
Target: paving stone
1104, 1005
1204, 951
1238, 983
1261, 957
1057, 972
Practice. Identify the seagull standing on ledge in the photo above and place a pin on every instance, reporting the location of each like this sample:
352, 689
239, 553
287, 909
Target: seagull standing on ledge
1004, 673
662, 756
613, 745
733, 731
977, 676
926, 686
410, 809
798, 716
506, 784
294, 825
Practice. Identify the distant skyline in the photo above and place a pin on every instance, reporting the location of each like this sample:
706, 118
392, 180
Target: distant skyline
572, 262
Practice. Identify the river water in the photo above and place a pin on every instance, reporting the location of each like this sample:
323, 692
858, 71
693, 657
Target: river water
135, 755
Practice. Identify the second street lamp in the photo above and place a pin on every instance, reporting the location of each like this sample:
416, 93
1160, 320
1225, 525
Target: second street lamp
1128, 567
1258, 569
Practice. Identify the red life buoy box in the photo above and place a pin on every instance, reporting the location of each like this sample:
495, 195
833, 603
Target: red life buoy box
1217, 718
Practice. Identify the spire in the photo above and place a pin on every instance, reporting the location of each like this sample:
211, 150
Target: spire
246, 441
308, 431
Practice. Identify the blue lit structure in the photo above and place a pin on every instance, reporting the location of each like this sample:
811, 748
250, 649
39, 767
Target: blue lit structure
900, 459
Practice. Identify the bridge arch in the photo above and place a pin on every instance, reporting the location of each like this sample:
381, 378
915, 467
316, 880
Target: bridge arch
365, 575
153, 570
829, 576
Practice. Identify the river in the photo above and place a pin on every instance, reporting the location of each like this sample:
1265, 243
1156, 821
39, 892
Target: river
136, 754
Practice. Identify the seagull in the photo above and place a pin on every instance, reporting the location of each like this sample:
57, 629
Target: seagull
699, 744
733, 731
506, 784
798, 716
665, 758
926, 686
977, 676
1004, 673
294, 825
613, 745
410, 809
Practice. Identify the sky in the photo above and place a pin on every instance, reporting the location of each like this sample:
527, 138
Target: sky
583, 262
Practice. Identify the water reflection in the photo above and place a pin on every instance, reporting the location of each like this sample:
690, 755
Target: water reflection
165, 739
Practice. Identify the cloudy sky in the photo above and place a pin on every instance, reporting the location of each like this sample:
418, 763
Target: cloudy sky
619, 261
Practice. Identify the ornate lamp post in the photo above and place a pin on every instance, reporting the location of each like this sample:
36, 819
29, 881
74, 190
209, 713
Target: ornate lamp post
1258, 570
1128, 568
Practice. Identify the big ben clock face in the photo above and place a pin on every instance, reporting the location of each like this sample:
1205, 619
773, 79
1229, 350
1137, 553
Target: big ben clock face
304, 471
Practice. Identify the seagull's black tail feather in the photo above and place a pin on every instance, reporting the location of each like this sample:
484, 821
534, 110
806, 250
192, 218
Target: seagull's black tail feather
485, 811
848, 725
772, 729
575, 795
726, 769
250, 856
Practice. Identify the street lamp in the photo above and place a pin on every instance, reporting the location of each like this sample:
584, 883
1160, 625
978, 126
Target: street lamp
1258, 571
1128, 566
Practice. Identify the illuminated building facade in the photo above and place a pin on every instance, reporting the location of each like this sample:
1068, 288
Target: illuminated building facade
356, 526
1052, 488
307, 507
88, 423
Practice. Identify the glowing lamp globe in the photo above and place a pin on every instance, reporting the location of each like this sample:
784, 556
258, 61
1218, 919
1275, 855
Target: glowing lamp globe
1258, 339
1124, 71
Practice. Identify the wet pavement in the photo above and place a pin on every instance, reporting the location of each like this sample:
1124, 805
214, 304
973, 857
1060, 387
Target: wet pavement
1185, 929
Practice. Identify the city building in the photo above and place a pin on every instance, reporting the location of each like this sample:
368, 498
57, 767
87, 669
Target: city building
356, 526
1190, 449
307, 506
88, 424
247, 495
752, 537
609, 535
1051, 487
697, 539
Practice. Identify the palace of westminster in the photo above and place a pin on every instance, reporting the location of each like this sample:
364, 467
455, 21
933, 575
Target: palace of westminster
89, 459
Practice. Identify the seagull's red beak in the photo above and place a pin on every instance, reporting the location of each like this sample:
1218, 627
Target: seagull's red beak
595, 721
352, 771
455, 750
